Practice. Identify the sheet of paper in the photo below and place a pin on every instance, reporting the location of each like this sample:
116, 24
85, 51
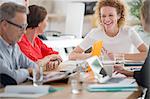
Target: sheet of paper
17, 95
25, 91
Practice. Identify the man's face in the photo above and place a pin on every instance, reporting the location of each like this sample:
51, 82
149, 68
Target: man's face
15, 28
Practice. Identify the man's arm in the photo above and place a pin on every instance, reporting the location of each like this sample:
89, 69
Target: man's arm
143, 76
19, 75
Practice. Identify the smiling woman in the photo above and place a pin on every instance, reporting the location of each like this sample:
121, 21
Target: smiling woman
111, 16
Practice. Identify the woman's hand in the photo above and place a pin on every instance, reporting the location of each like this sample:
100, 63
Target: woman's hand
54, 62
54, 57
113, 56
50, 62
107, 54
110, 55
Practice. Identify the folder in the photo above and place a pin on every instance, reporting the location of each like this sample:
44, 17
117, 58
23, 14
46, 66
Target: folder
26, 91
133, 63
112, 87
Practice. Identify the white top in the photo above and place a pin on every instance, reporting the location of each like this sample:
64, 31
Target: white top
124, 42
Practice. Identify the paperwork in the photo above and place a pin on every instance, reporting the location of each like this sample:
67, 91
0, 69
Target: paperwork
133, 63
27, 91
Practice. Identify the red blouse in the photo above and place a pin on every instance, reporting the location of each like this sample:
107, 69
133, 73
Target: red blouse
38, 51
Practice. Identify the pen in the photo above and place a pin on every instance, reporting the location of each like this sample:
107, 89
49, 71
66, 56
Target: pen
62, 71
133, 82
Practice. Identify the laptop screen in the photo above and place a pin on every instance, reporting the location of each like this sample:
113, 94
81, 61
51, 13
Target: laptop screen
96, 66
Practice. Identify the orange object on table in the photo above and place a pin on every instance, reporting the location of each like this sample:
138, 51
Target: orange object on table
96, 50
97, 47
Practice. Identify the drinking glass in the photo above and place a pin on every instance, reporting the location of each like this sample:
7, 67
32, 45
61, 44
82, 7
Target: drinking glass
38, 76
119, 59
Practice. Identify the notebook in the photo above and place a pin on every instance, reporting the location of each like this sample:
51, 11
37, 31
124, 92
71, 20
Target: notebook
26, 91
54, 76
112, 87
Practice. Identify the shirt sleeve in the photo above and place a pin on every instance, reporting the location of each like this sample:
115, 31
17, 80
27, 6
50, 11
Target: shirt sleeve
44, 49
135, 38
143, 76
19, 75
87, 41
25, 62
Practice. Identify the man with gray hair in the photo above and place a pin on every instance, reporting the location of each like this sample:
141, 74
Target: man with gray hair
13, 63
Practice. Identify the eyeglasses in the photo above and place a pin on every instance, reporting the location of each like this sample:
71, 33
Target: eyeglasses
22, 27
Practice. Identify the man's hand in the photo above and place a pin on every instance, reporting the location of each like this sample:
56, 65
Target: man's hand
120, 69
30, 70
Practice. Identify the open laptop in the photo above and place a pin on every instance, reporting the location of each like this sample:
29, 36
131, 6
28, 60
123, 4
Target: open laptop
102, 75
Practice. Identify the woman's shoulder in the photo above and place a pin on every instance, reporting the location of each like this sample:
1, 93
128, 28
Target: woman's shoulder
95, 32
96, 29
127, 30
23, 40
38, 40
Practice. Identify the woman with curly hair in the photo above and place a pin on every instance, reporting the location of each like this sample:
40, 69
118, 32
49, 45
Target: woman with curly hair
111, 29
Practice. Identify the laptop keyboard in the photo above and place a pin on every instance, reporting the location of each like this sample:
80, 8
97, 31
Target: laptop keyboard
115, 80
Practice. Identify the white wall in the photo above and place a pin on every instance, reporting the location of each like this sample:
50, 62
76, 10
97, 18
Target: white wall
59, 7
56, 7
17, 1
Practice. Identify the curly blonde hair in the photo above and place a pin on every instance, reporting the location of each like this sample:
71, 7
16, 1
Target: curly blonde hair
118, 4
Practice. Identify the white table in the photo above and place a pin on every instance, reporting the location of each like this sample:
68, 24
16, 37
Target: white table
62, 42
59, 43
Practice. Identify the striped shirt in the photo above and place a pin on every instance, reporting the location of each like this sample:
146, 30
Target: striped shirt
13, 62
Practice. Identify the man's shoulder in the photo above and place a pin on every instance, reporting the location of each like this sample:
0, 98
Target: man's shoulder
17, 49
1, 53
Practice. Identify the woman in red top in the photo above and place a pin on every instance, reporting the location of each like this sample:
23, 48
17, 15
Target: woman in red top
32, 46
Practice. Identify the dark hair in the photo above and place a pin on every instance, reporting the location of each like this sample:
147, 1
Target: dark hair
8, 10
36, 15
